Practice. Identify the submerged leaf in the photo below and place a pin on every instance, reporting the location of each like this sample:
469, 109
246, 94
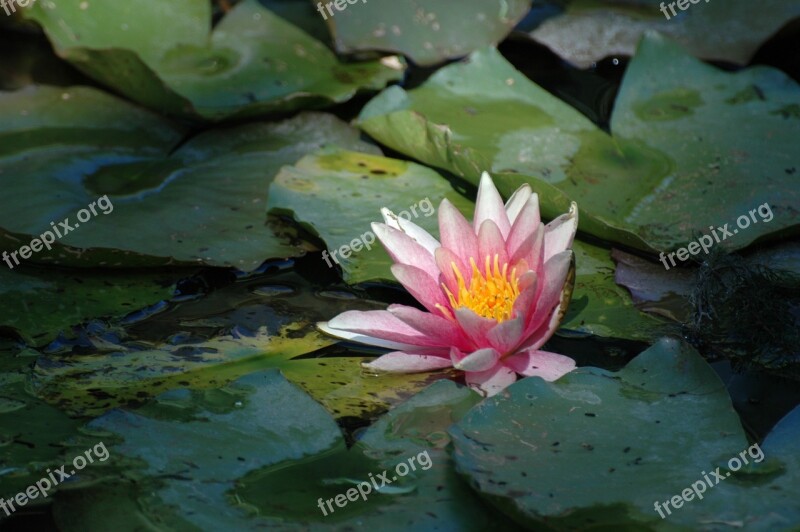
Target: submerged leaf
590, 30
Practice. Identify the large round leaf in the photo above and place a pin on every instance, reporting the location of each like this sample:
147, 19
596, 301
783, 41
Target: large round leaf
287, 454
203, 202
252, 63
484, 115
338, 194
599, 449
427, 31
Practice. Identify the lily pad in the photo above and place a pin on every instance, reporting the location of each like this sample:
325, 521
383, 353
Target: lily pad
600, 307
295, 456
338, 194
93, 384
33, 434
673, 423
590, 30
202, 203
250, 331
426, 31
321, 189
189, 71
484, 115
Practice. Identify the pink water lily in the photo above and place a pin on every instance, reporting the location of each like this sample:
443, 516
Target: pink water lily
494, 291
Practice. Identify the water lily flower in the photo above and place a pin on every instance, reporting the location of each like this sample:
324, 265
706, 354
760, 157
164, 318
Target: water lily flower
495, 291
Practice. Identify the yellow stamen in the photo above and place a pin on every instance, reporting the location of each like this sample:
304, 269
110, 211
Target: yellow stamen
491, 294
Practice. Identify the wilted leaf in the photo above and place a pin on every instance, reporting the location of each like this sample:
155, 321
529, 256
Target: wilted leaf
590, 30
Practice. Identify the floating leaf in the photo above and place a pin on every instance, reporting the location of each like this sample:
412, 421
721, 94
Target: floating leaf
600, 307
427, 31
202, 203
252, 63
92, 384
672, 422
484, 115
252, 329
338, 194
33, 434
292, 455
590, 30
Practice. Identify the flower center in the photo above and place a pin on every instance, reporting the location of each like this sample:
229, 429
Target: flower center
491, 293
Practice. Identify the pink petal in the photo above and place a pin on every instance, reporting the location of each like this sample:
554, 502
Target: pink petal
517, 201
491, 381
526, 224
507, 335
490, 243
532, 363
456, 232
444, 261
559, 233
362, 339
415, 232
422, 286
400, 362
385, 325
474, 326
446, 332
489, 206
556, 270
480, 360
530, 250
403, 249
543, 334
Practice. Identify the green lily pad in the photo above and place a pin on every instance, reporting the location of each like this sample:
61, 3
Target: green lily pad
33, 434
189, 70
202, 203
93, 384
251, 330
39, 304
289, 454
546, 452
337, 195
319, 192
590, 30
600, 307
484, 115
426, 31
